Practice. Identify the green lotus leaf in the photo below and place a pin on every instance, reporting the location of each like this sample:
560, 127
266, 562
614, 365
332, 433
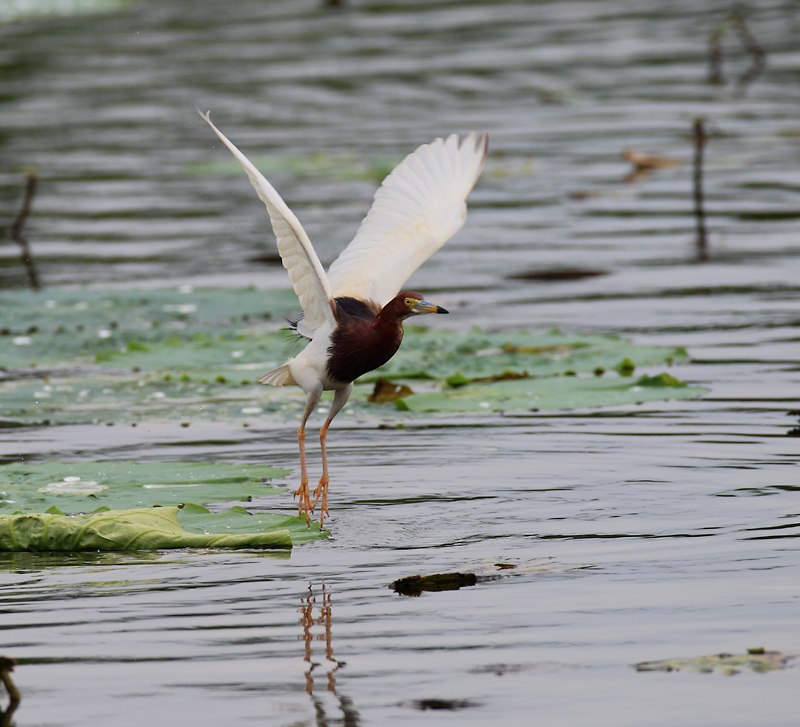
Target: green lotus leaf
662, 379
202, 331
457, 380
545, 394
138, 529
132, 398
241, 521
626, 367
189, 355
55, 488
477, 354
85, 486
62, 327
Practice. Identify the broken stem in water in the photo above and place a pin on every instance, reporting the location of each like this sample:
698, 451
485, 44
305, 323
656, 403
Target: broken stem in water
700, 138
15, 231
736, 19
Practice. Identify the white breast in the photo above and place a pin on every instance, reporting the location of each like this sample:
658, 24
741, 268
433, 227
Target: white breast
309, 367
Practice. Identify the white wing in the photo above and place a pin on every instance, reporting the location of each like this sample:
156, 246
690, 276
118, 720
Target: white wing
418, 208
305, 270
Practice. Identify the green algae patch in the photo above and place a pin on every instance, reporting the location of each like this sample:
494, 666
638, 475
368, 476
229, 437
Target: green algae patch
757, 660
152, 528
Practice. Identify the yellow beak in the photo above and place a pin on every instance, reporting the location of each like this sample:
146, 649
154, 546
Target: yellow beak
422, 306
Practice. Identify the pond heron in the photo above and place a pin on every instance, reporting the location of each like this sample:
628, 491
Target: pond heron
353, 316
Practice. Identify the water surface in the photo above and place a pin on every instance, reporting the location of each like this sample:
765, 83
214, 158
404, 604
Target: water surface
641, 533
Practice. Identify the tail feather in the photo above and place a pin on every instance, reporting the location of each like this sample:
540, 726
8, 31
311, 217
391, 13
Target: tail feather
280, 376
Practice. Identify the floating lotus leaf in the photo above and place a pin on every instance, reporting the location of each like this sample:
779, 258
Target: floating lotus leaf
63, 327
128, 489
84, 486
242, 521
123, 357
439, 354
139, 529
128, 398
549, 393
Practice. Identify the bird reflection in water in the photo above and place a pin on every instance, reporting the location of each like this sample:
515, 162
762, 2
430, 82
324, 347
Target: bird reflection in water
6, 666
313, 614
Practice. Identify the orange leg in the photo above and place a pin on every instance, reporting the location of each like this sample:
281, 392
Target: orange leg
322, 488
304, 505
339, 400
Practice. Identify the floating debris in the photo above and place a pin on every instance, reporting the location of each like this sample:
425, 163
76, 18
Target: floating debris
758, 660
386, 391
444, 704
416, 585
557, 275
644, 164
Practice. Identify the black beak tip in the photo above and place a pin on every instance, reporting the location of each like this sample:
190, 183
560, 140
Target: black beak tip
439, 309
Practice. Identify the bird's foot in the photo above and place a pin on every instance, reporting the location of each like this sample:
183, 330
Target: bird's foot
304, 505
321, 490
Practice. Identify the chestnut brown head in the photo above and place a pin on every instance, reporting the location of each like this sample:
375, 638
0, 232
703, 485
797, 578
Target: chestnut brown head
413, 304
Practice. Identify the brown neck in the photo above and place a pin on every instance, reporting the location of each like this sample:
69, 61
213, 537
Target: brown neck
359, 345
391, 317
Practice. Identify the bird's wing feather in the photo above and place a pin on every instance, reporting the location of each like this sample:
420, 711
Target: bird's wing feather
418, 208
305, 270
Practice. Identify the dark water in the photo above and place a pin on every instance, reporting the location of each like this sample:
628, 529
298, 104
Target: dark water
650, 532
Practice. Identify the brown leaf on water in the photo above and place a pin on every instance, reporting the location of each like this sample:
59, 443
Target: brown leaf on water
557, 348
643, 164
386, 391
505, 376
649, 161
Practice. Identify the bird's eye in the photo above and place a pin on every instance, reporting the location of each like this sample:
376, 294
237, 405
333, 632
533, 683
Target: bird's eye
410, 302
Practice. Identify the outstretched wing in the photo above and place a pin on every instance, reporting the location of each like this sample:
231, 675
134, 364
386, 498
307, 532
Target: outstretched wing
305, 270
418, 208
